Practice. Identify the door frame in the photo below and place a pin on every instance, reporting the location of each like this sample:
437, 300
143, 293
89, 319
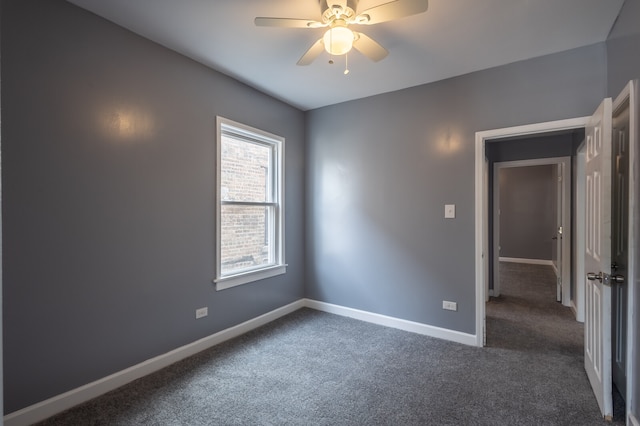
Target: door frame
565, 271
481, 224
481, 203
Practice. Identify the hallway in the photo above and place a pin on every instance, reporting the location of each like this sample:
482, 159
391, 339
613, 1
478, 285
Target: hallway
526, 318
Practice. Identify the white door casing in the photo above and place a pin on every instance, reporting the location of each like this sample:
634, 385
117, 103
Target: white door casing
597, 329
580, 272
481, 202
563, 271
560, 226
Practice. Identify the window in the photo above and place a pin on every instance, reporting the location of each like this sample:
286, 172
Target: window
250, 233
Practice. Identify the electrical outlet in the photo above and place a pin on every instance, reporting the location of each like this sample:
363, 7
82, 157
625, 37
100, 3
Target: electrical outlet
202, 312
449, 306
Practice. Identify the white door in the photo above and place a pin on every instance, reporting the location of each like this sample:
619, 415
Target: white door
619, 239
597, 327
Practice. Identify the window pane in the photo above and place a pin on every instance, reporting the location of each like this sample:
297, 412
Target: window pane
247, 238
245, 171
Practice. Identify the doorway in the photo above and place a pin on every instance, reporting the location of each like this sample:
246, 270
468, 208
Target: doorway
482, 202
482, 247
537, 220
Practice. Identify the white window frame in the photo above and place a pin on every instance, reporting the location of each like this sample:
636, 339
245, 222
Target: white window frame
242, 131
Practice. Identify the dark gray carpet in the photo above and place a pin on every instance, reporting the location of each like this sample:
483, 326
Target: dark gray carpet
313, 368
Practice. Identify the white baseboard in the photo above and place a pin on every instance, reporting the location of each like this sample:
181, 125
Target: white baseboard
59, 403
529, 261
49, 407
633, 420
414, 327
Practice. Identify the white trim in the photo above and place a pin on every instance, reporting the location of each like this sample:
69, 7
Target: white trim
49, 407
579, 236
528, 261
633, 421
481, 237
480, 202
277, 144
239, 279
387, 321
565, 197
485, 247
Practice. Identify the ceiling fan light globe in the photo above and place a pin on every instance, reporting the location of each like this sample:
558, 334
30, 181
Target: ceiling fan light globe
338, 40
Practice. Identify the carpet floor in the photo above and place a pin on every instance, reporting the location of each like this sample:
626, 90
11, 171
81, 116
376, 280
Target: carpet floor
314, 368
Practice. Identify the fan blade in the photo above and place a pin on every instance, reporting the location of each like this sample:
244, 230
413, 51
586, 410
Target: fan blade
287, 22
369, 47
392, 10
311, 54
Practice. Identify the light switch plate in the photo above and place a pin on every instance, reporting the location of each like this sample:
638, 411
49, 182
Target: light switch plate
449, 211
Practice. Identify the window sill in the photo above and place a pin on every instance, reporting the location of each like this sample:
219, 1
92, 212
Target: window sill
248, 277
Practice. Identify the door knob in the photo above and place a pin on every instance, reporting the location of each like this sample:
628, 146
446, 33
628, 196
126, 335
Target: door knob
605, 278
592, 277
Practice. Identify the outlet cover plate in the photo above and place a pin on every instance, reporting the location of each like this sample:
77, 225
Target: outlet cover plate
449, 306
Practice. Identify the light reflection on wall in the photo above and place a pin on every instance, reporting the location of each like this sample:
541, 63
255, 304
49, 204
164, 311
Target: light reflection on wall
335, 197
448, 141
128, 123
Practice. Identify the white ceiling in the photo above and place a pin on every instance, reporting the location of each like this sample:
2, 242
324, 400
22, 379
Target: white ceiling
453, 37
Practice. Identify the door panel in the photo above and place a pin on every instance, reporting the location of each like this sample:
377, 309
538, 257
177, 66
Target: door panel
619, 240
598, 257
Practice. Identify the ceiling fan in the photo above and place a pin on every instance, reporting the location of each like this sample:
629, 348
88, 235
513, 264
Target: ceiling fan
337, 15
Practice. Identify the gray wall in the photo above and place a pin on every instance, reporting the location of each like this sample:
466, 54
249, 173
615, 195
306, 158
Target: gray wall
108, 228
623, 60
623, 64
527, 211
108, 186
381, 169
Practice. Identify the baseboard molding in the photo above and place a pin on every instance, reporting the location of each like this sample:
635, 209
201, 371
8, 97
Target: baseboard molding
59, 403
49, 407
529, 261
633, 420
414, 327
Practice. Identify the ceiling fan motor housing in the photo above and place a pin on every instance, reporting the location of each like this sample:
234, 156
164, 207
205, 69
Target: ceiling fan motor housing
338, 9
